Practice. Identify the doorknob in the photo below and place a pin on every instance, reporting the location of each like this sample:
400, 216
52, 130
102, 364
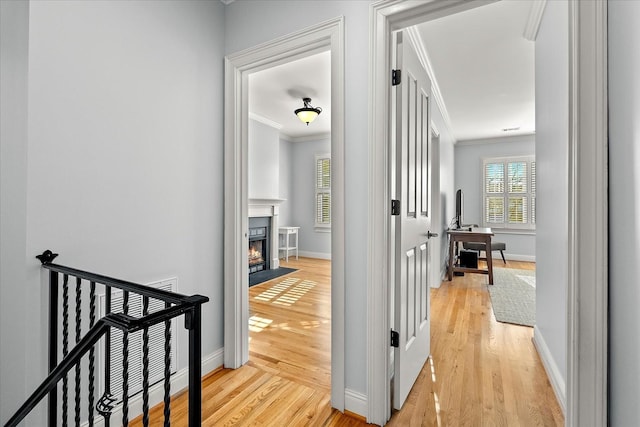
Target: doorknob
430, 234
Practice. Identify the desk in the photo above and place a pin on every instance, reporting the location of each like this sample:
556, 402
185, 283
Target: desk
285, 234
475, 235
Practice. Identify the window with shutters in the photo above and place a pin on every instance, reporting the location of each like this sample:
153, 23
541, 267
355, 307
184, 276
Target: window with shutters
323, 192
509, 193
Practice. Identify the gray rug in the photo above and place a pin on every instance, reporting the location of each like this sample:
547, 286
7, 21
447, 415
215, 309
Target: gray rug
513, 296
266, 275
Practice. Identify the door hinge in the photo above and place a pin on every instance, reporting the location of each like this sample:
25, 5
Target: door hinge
395, 207
395, 339
396, 77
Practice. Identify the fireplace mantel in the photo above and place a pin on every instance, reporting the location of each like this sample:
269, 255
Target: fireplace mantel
264, 207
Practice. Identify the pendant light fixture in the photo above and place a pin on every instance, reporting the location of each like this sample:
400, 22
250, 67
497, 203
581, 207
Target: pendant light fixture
308, 113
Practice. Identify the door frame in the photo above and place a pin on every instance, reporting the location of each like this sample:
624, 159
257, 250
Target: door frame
588, 231
328, 35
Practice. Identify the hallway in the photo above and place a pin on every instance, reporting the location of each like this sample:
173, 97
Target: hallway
481, 372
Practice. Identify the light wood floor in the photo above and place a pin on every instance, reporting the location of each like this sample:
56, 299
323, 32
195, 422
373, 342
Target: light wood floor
481, 373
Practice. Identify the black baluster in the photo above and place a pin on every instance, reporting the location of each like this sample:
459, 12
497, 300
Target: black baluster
65, 346
92, 321
167, 370
53, 344
106, 402
78, 331
125, 364
145, 366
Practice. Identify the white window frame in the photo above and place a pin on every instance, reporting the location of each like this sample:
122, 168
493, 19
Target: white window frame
529, 193
320, 190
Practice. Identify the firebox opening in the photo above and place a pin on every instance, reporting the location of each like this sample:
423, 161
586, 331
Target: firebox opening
258, 254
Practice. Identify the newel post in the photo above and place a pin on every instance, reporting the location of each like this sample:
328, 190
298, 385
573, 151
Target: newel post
52, 408
193, 322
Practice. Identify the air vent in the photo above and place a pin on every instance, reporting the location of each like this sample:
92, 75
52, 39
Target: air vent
156, 342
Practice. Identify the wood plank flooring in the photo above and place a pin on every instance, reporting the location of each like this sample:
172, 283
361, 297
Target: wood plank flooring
481, 373
290, 324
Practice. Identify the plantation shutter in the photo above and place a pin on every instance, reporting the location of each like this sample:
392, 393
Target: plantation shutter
323, 191
509, 192
517, 173
533, 192
494, 193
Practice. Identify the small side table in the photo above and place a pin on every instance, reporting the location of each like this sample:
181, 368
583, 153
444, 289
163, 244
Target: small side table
285, 240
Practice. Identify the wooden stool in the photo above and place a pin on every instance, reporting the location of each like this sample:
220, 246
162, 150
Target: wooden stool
495, 246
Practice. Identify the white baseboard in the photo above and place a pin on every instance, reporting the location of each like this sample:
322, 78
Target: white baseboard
550, 366
516, 257
495, 255
441, 276
179, 381
355, 402
307, 254
512, 257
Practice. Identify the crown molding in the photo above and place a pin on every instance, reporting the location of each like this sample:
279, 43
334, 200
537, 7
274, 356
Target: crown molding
416, 40
264, 120
522, 137
305, 138
534, 19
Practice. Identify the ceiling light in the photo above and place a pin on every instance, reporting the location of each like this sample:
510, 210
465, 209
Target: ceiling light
308, 113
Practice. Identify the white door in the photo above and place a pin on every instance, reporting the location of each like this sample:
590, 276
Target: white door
412, 183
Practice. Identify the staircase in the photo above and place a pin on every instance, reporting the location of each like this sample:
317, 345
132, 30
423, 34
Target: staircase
75, 396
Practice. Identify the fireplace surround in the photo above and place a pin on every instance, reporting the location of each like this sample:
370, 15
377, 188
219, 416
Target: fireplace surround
264, 213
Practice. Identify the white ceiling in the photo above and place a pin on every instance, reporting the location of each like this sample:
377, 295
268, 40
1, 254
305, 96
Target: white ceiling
483, 67
276, 92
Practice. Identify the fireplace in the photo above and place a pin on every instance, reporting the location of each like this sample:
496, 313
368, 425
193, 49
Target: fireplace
259, 243
263, 227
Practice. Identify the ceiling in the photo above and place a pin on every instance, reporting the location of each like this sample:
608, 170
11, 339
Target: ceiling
276, 92
482, 64
484, 68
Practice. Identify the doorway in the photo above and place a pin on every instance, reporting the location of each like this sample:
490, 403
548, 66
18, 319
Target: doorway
587, 123
325, 36
290, 172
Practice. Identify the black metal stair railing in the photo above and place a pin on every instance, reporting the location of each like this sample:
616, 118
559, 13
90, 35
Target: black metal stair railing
174, 305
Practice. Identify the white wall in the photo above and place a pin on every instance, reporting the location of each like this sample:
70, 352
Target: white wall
124, 172
264, 161
249, 23
303, 204
14, 39
286, 182
624, 211
552, 88
468, 173
447, 186
288, 172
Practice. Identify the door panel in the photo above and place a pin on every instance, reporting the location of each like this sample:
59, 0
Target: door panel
412, 144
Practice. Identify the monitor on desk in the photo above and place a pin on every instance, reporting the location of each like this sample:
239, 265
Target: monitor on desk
459, 208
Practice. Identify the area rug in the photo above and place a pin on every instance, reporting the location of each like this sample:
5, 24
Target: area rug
513, 296
265, 275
